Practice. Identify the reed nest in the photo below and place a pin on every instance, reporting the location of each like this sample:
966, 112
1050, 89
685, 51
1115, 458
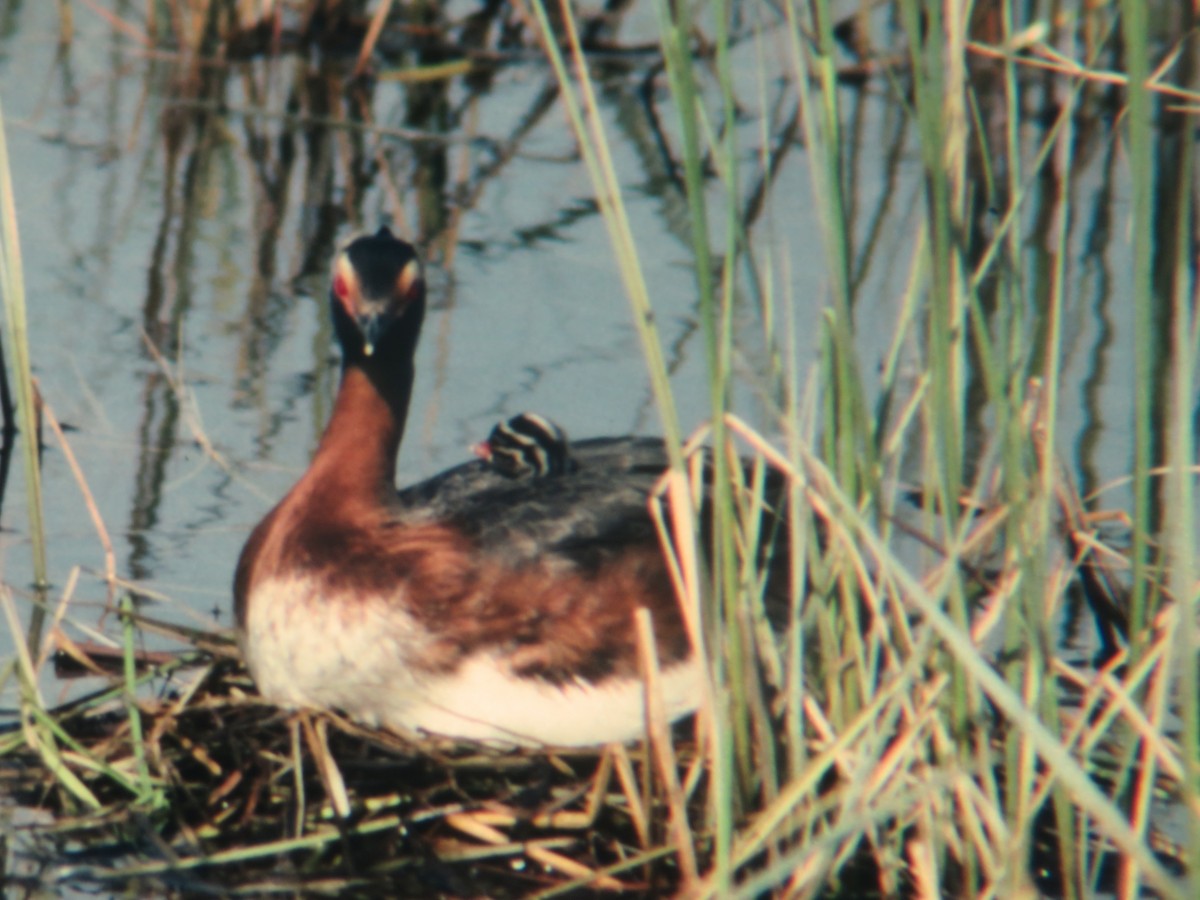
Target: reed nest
247, 797
231, 795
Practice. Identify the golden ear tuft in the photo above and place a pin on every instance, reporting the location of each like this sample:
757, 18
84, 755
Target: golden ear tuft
407, 280
345, 280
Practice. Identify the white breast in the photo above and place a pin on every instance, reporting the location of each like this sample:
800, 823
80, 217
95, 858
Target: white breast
305, 653
484, 701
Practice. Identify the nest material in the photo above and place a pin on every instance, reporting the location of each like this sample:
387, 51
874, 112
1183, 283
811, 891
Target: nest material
241, 795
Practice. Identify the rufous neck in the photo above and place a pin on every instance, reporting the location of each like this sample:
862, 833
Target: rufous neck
357, 453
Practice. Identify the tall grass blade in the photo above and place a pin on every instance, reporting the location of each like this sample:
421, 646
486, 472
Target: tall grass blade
12, 283
584, 115
1135, 30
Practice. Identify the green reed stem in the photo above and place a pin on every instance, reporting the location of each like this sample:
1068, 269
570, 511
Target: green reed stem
1141, 173
847, 437
12, 283
129, 660
1180, 481
36, 725
1040, 532
584, 115
936, 37
726, 643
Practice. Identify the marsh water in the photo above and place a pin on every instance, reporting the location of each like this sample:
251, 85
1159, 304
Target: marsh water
177, 222
177, 218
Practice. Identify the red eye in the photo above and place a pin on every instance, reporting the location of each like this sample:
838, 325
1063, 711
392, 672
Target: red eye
340, 287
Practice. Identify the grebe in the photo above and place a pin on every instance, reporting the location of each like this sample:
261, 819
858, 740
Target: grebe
473, 605
527, 444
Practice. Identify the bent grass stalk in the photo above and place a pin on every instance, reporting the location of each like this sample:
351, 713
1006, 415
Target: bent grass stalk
37, 726
658, 731
89, 501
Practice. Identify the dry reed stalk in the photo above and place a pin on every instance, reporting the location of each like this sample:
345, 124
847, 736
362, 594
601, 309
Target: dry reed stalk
658, 730
294, 732
372, 36
191, 415
1089, 726
316, 735
678, 542
470, 825
1061, 65
923, 867
119, 24
60, 612
24, 660
630, 788
89, 500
